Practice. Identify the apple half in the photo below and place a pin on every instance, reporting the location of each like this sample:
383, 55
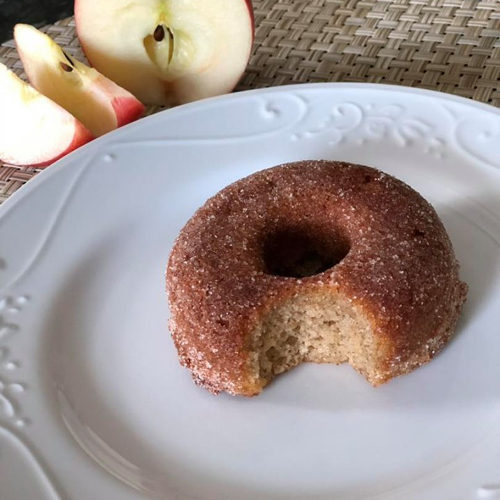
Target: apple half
100, 104
168, 51
34, 130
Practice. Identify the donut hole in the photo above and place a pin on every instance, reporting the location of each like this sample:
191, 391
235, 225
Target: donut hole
297, 253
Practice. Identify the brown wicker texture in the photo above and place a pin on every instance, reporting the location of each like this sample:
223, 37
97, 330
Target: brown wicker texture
447, 45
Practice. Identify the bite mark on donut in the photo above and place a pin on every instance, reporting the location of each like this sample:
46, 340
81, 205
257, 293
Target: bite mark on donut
319, 328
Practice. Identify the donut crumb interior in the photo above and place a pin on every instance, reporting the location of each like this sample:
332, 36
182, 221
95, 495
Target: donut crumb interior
319, 328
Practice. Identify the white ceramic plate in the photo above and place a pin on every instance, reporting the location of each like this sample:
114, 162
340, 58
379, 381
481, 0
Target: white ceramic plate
93, 403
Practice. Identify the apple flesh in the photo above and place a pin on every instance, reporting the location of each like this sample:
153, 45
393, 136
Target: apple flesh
168, 51
96, 101
34, 130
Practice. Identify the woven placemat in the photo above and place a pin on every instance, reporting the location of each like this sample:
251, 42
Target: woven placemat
447, 45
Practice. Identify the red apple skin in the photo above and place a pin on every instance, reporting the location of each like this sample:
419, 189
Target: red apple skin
127, 110
250, 10
81, 137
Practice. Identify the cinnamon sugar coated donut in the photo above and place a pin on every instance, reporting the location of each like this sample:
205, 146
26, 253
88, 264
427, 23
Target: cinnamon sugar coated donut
313, 261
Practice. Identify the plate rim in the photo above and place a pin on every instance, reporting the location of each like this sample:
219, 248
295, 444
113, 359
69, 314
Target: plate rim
86, 149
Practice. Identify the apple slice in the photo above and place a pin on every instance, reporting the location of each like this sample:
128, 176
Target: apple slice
96, 101
168, 51
33, 129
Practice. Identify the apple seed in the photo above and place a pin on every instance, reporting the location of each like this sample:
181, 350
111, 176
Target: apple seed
66, 67
159, 33
68, 59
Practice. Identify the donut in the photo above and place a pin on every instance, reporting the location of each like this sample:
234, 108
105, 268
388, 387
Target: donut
311, 261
